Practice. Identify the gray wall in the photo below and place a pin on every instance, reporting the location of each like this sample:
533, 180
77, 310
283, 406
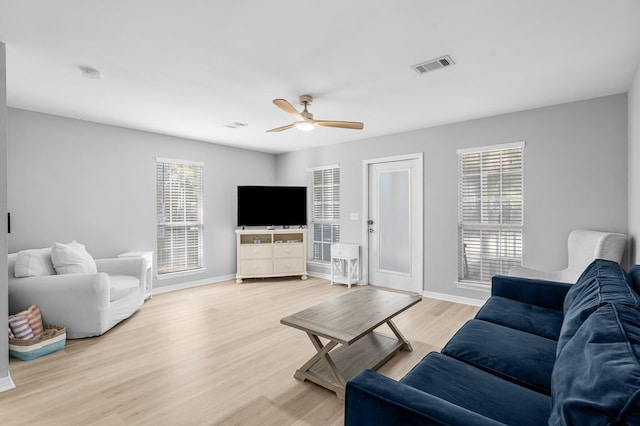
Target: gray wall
575, 177
634, 167
4, 297
70, 179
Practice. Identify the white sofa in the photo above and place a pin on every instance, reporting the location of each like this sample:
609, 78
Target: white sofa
86, 304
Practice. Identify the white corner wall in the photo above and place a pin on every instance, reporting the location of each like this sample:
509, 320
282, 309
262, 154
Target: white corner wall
575, 177
634, 168
5, 380
71, 179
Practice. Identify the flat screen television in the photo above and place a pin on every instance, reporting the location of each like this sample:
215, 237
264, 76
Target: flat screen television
272, 205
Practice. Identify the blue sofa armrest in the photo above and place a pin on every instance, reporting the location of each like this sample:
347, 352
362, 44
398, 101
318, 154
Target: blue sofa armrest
373, 399
548, 294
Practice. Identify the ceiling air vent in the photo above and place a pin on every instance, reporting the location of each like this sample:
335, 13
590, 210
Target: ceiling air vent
432, 65
235, 125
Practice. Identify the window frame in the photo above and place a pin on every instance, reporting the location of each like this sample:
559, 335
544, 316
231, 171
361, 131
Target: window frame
164, 222
331, 216
502, 232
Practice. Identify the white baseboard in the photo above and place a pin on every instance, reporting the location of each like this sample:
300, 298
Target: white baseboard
455, 299
190, 284
483, 287
198, 283
6, 383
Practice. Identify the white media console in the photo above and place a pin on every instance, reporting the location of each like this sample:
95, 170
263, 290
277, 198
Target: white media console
263, 253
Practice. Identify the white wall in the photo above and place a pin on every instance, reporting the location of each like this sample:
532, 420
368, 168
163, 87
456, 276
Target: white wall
5, 381
634, 167
70, 179
575, 177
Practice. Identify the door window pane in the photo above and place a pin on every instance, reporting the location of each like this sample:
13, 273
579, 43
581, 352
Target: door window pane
395, 221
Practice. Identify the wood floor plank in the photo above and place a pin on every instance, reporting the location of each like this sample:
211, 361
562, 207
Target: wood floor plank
209, 355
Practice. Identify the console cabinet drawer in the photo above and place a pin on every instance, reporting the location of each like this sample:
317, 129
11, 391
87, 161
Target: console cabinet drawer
256, 251
288, 250
256, 267
281, 266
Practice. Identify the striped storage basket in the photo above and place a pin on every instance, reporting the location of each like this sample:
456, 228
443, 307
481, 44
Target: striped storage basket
53, 339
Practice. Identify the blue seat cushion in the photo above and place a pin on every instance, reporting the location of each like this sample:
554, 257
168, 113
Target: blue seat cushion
372, 399
478, 391
602, 282
522, 358
533, 319
596, 378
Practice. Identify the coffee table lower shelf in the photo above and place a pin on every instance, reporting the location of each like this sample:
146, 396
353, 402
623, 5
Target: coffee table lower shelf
371, 351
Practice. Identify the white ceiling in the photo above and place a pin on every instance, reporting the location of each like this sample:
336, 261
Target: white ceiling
187, 68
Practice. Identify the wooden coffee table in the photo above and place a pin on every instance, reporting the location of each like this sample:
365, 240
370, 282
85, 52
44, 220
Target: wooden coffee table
350, 321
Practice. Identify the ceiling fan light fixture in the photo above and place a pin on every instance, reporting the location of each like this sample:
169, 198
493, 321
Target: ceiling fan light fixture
305, 121
304, 125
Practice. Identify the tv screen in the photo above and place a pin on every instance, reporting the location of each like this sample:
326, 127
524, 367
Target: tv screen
272, 205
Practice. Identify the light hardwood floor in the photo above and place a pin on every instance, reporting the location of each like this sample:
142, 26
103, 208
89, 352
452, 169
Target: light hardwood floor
208, 355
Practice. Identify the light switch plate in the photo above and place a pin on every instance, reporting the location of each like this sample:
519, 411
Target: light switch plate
354, 216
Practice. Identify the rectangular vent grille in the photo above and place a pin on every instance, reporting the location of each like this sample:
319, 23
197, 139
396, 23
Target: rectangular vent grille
235, 125
432, 65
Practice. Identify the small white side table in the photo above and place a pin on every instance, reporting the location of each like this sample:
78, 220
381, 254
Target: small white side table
345, 264
148, 281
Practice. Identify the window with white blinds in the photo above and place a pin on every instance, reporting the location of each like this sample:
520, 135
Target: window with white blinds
179, 207
490, 211
325, 211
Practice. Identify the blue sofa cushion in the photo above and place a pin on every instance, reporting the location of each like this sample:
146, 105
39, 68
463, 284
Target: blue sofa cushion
372, 399
596, 378
533, 319
523, 358
548, 294
478, 391
602, 282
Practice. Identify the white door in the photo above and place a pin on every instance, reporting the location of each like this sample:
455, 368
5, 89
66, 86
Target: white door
394, 226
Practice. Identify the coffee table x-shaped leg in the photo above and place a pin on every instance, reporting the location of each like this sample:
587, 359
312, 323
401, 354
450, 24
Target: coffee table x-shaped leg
332, 371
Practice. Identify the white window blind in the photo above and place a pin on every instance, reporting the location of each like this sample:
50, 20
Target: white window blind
180, 224
490, 211
325, 211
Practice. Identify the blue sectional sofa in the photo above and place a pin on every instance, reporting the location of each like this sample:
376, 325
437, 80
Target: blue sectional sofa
537, 353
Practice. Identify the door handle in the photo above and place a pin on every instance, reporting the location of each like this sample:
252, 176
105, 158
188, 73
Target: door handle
370, 222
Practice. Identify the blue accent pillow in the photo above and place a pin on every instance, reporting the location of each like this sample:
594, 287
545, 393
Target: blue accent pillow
634, 273
602, 282
596, 378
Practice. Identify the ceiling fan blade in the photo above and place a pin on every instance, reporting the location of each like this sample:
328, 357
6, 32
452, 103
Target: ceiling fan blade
341, 124
287, 107
279, 129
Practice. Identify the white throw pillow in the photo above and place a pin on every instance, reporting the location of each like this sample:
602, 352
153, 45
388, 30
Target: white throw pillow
72, 258
33, 263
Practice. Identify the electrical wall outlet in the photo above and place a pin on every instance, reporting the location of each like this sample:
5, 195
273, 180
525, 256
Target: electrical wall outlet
354, 216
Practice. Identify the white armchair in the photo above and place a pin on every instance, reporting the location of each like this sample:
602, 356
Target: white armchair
86, 304
584, 247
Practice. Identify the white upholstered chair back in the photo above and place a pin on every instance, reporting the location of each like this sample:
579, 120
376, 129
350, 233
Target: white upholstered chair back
584, 246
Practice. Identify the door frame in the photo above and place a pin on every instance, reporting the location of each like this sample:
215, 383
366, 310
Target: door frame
365, 212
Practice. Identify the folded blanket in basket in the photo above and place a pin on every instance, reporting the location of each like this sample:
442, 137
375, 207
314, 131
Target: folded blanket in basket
53, 339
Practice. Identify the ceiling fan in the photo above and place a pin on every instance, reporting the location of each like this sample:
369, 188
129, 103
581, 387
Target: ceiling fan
305, 120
